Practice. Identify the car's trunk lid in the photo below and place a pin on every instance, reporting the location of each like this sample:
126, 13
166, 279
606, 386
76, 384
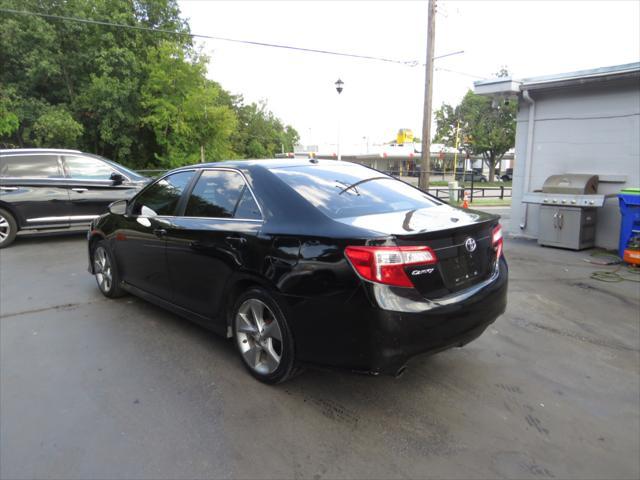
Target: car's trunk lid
461, 239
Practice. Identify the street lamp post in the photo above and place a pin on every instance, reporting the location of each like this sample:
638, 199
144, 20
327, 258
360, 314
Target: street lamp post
339, 86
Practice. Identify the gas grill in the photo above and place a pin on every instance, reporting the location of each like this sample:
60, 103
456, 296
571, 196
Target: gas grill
568, 210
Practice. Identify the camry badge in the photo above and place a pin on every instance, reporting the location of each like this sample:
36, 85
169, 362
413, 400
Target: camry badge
470, 244
420, 272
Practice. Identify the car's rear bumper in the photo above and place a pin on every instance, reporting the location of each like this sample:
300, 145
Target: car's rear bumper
359, 335
402, 335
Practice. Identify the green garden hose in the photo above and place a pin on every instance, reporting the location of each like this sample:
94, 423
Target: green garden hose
612, 276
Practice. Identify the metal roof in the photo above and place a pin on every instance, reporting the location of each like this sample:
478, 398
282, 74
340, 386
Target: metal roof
583, 74
580, 77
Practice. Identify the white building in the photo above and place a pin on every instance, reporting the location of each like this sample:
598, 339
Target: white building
578, 122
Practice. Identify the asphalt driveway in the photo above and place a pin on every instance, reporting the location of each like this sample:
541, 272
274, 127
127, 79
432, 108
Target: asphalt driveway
97, 388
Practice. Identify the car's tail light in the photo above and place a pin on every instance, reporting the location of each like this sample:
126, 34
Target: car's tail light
386, 264
497, 240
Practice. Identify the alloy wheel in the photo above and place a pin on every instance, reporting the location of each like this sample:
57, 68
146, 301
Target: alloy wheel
5, 229
259, 336
102, 269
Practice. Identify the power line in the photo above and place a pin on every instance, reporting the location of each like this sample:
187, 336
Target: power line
409, 63
210, 37
461, 73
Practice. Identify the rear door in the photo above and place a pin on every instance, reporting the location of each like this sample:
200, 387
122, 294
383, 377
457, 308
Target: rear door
33, 186
214, 236
140, 242
91, 188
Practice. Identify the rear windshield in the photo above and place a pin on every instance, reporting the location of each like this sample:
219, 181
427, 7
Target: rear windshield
342, 191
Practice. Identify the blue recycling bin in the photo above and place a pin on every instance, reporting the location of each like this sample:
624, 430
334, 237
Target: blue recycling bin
629, 199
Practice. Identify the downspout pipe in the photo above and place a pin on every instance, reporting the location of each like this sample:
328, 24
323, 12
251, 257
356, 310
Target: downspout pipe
529, 157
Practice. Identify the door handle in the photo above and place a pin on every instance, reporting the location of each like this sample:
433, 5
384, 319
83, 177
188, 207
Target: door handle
8, 189
159, 232
240, 241
80, 190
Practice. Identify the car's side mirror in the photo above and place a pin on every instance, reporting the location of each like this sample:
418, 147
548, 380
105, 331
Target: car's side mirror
117, 178
119, 207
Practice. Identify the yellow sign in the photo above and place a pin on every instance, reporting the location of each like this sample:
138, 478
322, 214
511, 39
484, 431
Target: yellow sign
405, 135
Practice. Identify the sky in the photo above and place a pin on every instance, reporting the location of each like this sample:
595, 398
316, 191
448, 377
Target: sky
530, 38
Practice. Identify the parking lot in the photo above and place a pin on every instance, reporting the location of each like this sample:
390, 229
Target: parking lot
98, 388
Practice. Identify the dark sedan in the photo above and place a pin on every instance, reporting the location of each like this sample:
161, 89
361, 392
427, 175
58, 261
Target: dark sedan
306, 262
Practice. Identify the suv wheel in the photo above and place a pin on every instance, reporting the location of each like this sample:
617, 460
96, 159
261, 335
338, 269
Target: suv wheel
263, 337
8, 228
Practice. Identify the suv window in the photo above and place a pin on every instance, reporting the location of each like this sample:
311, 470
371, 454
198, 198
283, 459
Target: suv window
222, 194
342, 191
86, 168
163, 196
31, 166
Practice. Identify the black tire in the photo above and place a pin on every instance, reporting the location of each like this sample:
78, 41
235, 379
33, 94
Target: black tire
8, 228
111, 288
246, 343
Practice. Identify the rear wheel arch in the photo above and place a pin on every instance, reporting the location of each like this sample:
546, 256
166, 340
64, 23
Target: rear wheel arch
284, 351
236, 288
14, 213
8, 228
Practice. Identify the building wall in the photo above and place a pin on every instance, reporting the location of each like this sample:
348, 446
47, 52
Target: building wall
592, 130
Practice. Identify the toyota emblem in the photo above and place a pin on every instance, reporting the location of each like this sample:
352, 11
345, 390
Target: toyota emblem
470, 244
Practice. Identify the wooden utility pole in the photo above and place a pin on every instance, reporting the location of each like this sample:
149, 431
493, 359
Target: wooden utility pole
428, 100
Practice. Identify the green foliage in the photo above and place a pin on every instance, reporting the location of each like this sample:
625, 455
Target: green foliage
261, 134
9, 121
56, 128
484, 129
141, 98
183, 109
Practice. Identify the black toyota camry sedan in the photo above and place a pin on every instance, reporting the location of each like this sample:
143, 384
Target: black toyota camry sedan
306, 262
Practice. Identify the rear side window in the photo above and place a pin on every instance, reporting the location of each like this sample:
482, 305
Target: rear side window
86, 168
247, 207
221, 194
30, 166
342, 191
163, 196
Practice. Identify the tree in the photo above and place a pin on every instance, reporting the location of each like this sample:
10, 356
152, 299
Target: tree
502, 73
182, 108
138, 97
56, 128
9, 121
260, 134
485, 129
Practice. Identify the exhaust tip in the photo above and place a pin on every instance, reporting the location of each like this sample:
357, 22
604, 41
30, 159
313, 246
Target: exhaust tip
400, 371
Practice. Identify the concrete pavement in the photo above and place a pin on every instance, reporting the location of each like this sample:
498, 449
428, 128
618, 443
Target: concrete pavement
97, 388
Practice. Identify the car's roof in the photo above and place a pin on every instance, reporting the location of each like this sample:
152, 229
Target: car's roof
5, 151
267, 164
